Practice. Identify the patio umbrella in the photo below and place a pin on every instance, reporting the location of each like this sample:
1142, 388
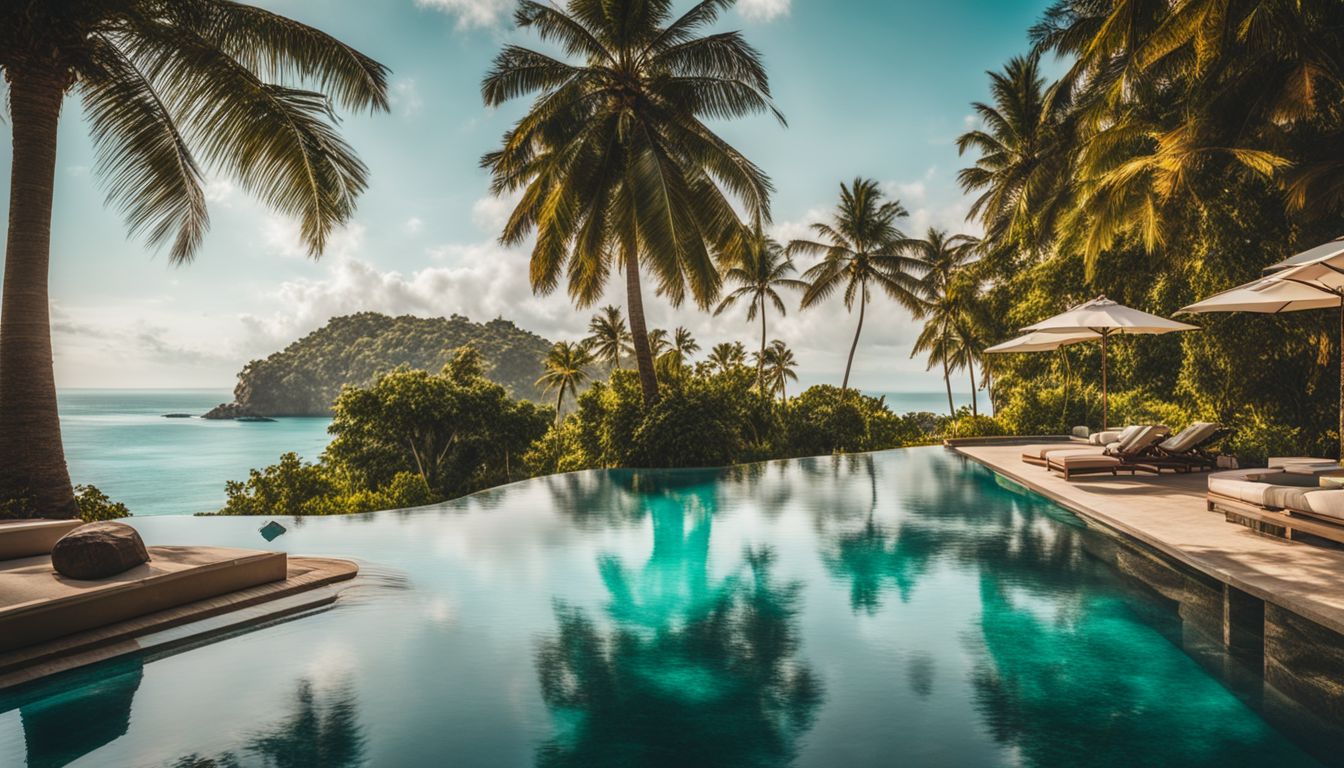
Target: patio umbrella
1102, 318
1041, 341
1313, 279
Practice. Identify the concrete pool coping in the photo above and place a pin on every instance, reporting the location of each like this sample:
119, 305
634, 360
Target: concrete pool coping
1168, 513
309, 583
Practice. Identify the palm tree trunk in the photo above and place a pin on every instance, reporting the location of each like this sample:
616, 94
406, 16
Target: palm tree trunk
970, 368
648, 379
946, 382
760, 362
559, 400
32, 461
863, 302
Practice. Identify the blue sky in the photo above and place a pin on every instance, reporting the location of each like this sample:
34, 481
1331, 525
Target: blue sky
878, 89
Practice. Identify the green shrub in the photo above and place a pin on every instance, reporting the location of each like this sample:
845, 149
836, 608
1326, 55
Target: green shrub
966, 425
95, 506
284, 488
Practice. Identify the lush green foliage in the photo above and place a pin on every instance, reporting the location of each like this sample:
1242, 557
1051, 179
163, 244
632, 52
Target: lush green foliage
1189, 145
616, 166
714, 418
410, 438
95, 506
306, 377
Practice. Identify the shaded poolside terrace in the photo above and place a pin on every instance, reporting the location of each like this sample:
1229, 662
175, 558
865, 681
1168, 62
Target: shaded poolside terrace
1168, 513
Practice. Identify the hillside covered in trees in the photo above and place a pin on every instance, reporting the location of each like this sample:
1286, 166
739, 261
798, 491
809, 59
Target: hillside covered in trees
305, 378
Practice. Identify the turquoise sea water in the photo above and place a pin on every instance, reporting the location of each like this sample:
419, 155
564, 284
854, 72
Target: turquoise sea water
118, 440
899, 608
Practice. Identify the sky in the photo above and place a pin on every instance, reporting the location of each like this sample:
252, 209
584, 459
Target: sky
873, 88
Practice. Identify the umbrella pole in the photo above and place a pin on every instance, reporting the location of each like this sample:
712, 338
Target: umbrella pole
1105, 398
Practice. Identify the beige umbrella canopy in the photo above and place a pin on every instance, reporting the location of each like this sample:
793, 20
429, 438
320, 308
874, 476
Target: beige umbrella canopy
1041, 341
1313, 279
1099, 318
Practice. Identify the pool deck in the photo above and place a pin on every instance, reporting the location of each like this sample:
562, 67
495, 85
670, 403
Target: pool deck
1168, 513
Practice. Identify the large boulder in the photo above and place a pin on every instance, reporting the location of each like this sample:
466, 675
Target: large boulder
98, 550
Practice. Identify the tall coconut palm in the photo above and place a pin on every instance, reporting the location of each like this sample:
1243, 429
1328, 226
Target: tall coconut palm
779, 365
169, 89
943, 259
616, 167
609, 338
683, 345
1019, 172
726, 356
759, 269
566, 369
659, 343
861, 249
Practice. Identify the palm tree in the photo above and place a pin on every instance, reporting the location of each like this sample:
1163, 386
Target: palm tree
168, 89
862, 248
1020, 172
683, 345
658, 342
616, 168
943, 260
566, 369
759, 269
609, 337
779, 364
726, 356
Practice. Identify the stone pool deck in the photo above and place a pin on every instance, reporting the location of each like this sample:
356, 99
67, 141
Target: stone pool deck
1168, 513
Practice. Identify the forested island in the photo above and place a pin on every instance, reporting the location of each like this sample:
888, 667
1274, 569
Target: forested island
305, 377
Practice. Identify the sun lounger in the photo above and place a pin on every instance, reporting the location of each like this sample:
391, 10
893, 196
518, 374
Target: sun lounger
1040, 455
1185, 451
1125, 456
1287, 500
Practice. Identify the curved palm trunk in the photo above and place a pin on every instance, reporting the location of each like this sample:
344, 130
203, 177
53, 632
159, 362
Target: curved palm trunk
559, 401
947, 382
863, 304
32, 461
648, 380
760, 361
970, 367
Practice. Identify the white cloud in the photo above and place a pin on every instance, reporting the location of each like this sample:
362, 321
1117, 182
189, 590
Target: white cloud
472, 13
282, 236
220, 191
491, 213
405, 97
413, 226
763, 10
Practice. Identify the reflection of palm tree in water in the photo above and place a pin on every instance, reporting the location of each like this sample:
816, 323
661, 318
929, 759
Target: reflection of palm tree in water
876, 556
322, 730
691, 672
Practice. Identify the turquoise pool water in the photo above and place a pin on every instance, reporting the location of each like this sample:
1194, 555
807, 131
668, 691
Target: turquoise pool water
900, 608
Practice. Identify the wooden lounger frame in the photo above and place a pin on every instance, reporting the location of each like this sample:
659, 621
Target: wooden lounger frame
1288, 519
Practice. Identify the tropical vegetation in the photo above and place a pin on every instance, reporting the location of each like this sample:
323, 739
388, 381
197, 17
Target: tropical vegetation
616, 167
305, 378
410, 438
860, 251
170, 91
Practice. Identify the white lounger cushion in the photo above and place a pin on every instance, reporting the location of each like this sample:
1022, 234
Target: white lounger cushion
1189, 437
1114, 435
1081, 460
1047, 451
1326, 503
1142, 439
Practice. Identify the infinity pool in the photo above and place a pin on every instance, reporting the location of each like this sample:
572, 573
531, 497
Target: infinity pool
900, 608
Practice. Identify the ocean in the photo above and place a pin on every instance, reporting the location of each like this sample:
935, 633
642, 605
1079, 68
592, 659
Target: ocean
119, 440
